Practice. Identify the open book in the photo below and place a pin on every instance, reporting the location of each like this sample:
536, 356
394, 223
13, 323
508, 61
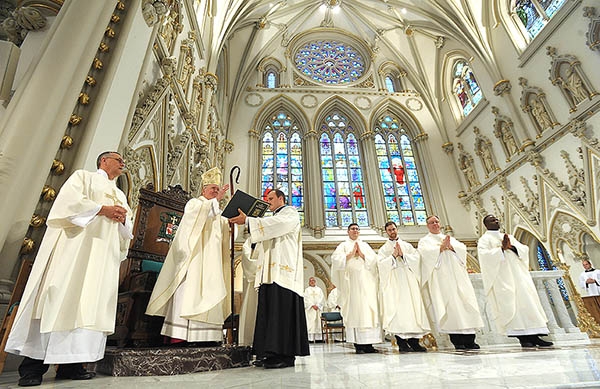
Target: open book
250, 205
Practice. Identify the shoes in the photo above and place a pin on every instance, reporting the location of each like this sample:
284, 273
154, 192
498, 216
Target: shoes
403, 346
541, 342
30, 380
360, 351
276, 363
527, 345
370, 349
78, 373
460, 347
415, 346
258, 362
472, 346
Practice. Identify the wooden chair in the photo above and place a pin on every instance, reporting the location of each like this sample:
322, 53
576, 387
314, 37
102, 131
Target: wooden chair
332, 323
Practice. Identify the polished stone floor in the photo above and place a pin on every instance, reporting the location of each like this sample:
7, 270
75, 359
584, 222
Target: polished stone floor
337, 366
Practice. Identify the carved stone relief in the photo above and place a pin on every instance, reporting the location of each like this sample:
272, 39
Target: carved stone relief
186, 66
534, 103
593, 32
504, 131
140, 171
483, 149
172, 27
465, 164
566, 73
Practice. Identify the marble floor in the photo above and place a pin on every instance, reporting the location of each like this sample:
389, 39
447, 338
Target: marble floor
337, 366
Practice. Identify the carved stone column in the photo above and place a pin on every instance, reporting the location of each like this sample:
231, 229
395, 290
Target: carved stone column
375, 201
313, 204
502, 88
559, 304
254, 171
34, 122
210, 87
541, 290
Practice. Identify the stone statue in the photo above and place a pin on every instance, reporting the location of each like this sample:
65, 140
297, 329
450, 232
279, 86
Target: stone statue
574, 86
540, 114
487, 156
508, 139
465, 163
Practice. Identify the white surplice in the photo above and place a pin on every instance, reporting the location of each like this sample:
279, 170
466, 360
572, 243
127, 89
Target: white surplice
313, 296
590, 289
444, 275
356, 281
332, 300
511, 294
403, 312
279, 249
69, 305
192, 287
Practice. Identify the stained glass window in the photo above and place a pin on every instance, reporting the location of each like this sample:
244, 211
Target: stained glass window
465, 87
341, 169
282, 160
535, 14
271, 79
389, 84
402, 191
329, 62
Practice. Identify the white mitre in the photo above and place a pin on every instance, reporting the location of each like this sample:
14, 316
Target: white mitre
212, 177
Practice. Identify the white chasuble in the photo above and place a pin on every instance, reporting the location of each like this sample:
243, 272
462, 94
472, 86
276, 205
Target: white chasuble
69, 304
192, 287
511, 294
356, 281
313, 296
403, 312
279, 249
444, 275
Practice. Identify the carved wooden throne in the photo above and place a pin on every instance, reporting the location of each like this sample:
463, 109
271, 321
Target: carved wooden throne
157, 219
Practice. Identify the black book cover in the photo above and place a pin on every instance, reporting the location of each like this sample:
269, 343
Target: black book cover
250, 205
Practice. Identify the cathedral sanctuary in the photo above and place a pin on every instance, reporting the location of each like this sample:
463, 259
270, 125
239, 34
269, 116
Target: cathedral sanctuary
360, 111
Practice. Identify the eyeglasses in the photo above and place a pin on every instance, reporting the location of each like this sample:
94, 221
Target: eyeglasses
120, 160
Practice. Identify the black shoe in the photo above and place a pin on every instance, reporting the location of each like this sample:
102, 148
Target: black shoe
415, 346
258, 362
472, 346
460, 347
30, 380
78, 373
369, 349
527, 345
403, 346
276, 363
541, 342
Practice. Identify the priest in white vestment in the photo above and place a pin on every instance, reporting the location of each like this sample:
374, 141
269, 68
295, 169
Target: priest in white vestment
249, 295
280, 332
314, 298
512, 297
589, 279
444, 276
69, 304
354, 271
332, 300
193, 285
403, 312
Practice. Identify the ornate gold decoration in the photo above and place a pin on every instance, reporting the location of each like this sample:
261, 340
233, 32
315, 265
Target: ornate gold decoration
109, 32
48, 193
37, 221
66, 142
27, 245
75, 119
115, 18
84, 98
120, 6
585, 321
103, 47
91, 81
97, 64
429, 342
58, 167
502, 87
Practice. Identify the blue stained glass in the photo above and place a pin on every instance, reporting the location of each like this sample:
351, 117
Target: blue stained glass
271, 80
284, 187
356, 174
421, 217
346, 218
415, 189
465, 87
329, 62
344, 189
331, 219
402, 189
386, 176
388, 189
393, 216
390, 202
296, 162
342, 174
419, 202
407, 218
297, 201
354, 161
345, 202
405, 203
409, 163
330, 202
326, 161
282, 161
328, 175
412, 175
362, 219
325, 144
389, 84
